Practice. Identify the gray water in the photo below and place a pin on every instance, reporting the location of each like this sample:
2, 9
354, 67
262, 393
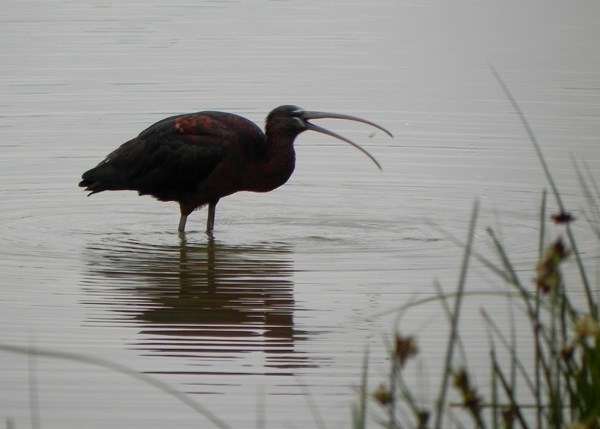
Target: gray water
279, 309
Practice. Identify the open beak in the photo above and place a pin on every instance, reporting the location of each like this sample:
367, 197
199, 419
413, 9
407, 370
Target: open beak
323, 115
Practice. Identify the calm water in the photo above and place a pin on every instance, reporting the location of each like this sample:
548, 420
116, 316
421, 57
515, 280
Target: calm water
283, 303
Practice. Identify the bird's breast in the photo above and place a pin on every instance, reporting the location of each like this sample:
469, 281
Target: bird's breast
271, 174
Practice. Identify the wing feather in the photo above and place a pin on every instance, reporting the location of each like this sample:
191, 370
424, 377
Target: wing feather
174, 156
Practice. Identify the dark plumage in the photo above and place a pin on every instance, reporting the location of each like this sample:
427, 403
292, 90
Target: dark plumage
199, 158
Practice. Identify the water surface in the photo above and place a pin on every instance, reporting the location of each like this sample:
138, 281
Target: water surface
282, 304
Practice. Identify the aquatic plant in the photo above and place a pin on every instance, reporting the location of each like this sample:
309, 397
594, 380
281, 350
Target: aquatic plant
555, 386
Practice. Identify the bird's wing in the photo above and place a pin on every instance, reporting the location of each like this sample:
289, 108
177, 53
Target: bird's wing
173, 156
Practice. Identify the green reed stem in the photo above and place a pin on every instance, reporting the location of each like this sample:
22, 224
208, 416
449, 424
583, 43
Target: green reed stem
145, 378
582, 272
455, 318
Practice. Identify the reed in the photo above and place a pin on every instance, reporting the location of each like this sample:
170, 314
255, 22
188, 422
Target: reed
182, 397
559, 385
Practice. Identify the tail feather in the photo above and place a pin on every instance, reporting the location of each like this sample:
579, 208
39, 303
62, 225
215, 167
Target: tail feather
93, 187
99, 179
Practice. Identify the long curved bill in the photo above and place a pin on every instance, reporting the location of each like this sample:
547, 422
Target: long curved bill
323, 115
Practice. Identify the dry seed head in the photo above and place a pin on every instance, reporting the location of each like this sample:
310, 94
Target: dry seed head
405, 348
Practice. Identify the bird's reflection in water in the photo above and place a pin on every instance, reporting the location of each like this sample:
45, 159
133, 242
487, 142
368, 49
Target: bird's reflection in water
203, 300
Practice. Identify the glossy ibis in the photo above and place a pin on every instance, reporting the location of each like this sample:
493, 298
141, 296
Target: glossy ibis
199, 158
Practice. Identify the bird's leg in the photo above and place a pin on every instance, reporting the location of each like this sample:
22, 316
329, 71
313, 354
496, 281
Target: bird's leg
210, 222
185, 209
182, 221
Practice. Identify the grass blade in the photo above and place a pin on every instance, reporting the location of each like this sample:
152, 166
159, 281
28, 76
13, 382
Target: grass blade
582, 272
122, 369
455, 318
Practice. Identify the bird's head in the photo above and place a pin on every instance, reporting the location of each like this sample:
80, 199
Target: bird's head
289, 121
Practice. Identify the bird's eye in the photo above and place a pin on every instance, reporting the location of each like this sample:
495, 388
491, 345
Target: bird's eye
296, 113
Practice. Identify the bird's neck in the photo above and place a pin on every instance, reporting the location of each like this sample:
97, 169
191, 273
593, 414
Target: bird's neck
276, 167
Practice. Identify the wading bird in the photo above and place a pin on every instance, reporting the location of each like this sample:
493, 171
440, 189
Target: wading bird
198, 158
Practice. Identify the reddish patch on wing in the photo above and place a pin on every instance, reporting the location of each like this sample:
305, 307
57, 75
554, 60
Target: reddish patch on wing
200, 124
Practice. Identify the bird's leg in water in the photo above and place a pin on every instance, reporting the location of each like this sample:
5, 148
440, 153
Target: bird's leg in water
185, 210
210, 222
182, 220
